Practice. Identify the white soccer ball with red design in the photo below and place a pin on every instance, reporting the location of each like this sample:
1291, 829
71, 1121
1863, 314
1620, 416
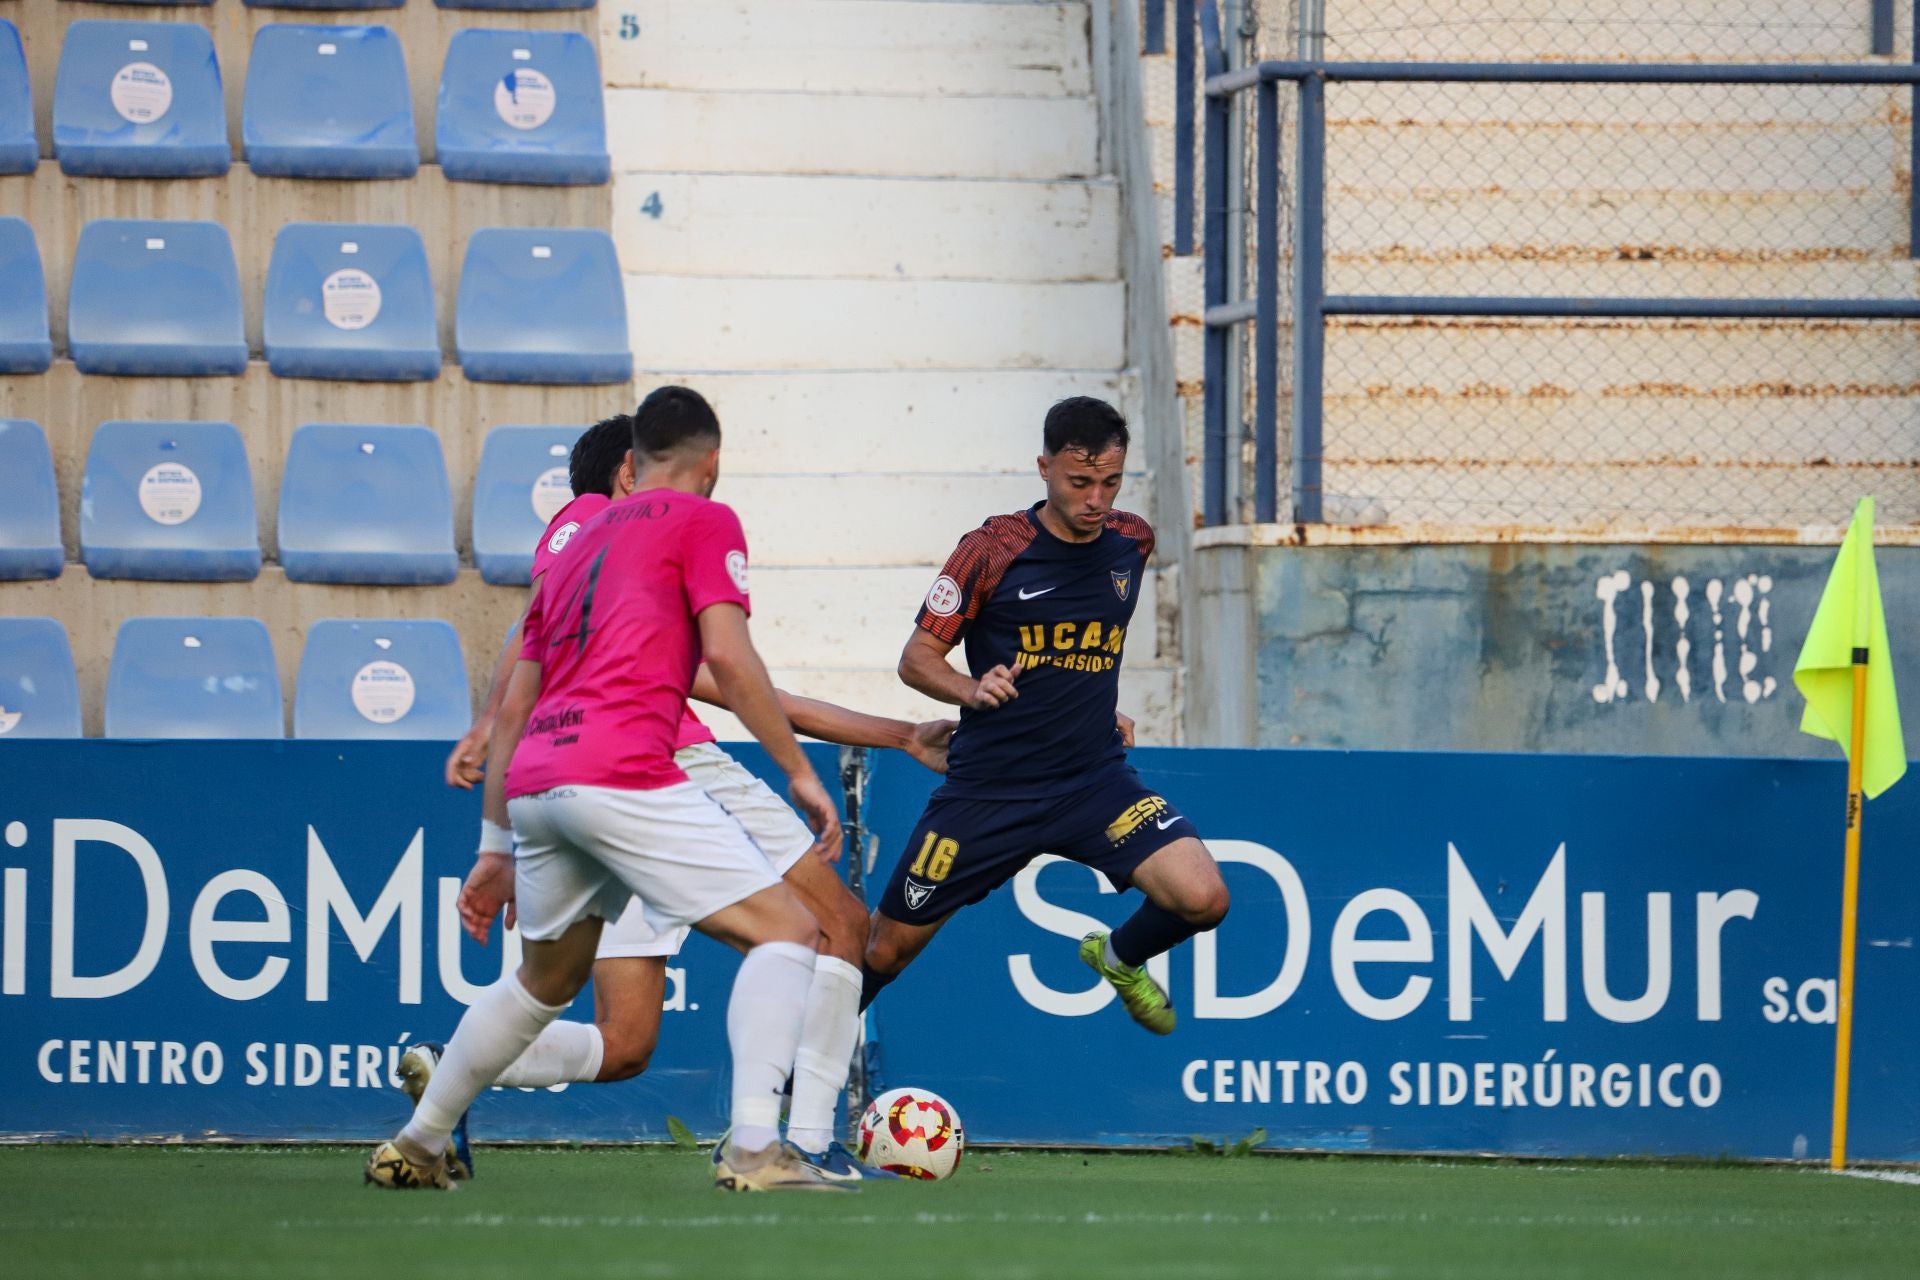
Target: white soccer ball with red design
915, 1133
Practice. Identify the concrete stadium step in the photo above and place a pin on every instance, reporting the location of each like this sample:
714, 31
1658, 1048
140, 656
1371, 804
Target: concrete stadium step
268, 410
93, 609
1783, 426
1444, 225
1625, 499
871, 519
1440, 358
866, 134
860, 616
1761, 160
1595, 271
1149, 694
1637, 30
707, 322
892, 421
254, 209
1588, 114
778, 225
861, 46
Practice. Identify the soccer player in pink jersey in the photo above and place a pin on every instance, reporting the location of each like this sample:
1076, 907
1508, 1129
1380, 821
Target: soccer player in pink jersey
629, 972
582, 769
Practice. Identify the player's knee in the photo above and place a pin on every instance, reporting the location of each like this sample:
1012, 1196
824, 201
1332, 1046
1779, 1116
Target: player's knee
624, 1054
1210, 907
794, 923
843, 930
884, 954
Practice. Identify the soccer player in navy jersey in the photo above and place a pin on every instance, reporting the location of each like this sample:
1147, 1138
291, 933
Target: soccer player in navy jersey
1043, 600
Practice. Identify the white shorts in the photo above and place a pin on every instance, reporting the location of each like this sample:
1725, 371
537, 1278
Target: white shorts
768, 823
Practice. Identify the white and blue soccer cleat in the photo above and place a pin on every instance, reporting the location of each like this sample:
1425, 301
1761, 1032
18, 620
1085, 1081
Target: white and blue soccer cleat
838, 1164
417, 1065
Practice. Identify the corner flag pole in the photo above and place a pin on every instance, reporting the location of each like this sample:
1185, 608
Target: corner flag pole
1850, 903
1848, 638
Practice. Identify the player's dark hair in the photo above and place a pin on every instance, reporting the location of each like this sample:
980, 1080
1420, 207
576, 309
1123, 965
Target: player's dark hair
1084, 424
671, 418
597, 455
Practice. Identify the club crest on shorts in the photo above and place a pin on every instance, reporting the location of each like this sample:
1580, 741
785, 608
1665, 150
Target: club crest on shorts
917, 894
1122, 581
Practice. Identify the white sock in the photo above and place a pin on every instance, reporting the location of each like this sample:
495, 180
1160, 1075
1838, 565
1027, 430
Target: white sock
763, 1030
496, 1030
827, 1035
566, 1053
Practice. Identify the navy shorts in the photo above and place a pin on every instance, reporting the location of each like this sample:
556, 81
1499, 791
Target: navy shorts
963, 849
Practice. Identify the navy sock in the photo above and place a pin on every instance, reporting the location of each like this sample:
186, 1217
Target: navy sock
872, 984
1148, 932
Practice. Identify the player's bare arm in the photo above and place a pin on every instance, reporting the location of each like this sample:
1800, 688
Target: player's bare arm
743, 681
924, 668
464, 763
489, 886
845, 727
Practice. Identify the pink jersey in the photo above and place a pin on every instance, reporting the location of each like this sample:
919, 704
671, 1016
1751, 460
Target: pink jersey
556, 539
561, 528
614, 627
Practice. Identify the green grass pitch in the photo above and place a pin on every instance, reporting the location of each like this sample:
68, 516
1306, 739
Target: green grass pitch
210, 1212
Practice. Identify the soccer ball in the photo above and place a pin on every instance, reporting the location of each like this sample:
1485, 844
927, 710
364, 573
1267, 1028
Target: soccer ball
915, 1133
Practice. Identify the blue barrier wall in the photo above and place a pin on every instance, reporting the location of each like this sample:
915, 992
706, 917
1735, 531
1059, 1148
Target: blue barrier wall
233, 939
1351, 1000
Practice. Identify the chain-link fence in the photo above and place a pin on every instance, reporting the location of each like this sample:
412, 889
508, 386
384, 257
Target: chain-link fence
1596, 190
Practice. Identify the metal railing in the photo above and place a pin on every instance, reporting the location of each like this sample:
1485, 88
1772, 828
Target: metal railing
1311, 303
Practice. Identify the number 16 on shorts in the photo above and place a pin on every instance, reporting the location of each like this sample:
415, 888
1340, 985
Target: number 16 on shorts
936, 857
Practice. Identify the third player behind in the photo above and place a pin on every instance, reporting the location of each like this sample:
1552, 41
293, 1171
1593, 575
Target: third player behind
1044, 600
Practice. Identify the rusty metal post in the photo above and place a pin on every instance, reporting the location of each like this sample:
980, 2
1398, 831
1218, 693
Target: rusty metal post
1309, 289
1266, 323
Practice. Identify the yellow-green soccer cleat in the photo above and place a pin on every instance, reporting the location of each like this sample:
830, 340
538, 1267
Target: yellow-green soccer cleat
388, 1167
777, 1168
1138, 991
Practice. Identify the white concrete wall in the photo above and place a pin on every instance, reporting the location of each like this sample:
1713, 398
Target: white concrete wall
881, 235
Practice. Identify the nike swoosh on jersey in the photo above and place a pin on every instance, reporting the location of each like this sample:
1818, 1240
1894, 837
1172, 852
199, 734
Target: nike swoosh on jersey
1169, 822
1035, 595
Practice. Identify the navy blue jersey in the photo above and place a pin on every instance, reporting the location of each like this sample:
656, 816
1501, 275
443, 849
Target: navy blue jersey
1059, 612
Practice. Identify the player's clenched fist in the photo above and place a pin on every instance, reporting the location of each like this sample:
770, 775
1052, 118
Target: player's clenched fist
995, 688
811, 799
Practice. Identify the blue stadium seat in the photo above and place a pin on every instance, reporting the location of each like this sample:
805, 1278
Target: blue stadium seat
522, 106
140, 100
382, 679
520, 6
193, 678
156, 299
30, 519
337, 5
39, 696
19, 144
25, 344
328, 102
522, 484
366, 504
542, 306
171, 501
347, 301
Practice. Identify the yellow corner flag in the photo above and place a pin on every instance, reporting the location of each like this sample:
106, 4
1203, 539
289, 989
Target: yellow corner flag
1850, 627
